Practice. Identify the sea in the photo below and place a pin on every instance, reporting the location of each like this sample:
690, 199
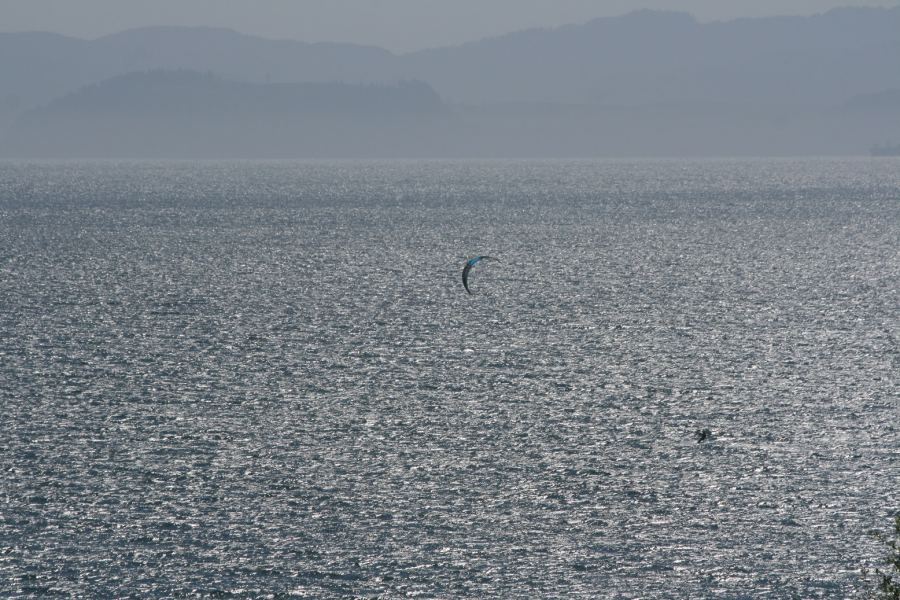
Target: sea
679, 379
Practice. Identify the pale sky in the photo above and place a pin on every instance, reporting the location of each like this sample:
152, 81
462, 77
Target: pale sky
398, 25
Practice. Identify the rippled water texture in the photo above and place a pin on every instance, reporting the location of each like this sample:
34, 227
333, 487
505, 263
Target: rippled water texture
239, 379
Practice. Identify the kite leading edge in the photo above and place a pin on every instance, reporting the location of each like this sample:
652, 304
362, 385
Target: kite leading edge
469, 264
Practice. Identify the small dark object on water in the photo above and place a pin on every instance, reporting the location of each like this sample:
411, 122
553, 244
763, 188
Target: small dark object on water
703, 435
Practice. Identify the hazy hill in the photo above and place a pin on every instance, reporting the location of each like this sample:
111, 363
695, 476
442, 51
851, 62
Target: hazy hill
646, 57
651, 57
190, 114
184, 92
38, 67
185, 114
647, 83
239, 56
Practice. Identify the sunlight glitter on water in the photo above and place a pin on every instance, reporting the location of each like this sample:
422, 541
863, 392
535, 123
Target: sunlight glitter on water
266, 378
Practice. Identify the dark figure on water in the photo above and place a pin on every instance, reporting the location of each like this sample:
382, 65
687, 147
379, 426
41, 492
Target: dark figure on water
703, 435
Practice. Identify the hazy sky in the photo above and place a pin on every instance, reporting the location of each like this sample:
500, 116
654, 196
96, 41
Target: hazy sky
398, 25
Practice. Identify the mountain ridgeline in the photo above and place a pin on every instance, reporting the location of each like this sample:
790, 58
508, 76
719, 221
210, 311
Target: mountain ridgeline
188, 92
188, 114
647, 83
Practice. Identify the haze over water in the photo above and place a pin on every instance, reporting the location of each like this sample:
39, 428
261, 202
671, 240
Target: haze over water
248, 378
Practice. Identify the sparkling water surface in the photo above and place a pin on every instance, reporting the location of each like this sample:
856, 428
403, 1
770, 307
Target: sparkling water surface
242, 380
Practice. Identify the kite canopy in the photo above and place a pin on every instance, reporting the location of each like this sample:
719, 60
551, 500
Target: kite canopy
469, 264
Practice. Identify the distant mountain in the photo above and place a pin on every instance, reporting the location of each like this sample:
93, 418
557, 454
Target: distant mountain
651, 58
185, 114
38, 67
190, 114
184, 92
647, 83
643, 58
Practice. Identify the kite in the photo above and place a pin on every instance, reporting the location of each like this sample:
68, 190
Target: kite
469, 264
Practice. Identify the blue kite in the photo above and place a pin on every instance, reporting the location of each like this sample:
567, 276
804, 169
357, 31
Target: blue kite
469, 264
